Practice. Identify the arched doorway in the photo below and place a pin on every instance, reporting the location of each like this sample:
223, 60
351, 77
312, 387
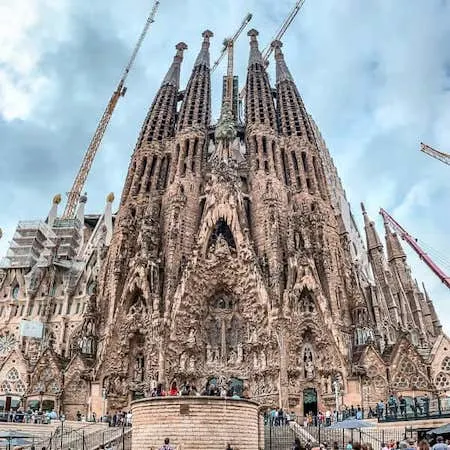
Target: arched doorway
310, 401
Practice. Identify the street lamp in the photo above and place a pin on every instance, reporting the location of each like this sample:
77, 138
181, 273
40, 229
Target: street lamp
62, 418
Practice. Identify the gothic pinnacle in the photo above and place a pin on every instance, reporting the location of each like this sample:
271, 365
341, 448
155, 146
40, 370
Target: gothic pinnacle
203, 56
173, 74
255, 54
283, 73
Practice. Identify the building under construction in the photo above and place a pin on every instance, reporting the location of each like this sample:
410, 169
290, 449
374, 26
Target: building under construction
233, 260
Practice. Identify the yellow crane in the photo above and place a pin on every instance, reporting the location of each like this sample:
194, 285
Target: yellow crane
441, 156
278, 36
228, 47
80, 179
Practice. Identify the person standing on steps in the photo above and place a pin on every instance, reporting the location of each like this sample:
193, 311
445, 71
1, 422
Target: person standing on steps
166, 445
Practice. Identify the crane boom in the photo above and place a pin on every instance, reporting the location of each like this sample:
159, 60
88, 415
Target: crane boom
231, 41
269, 49
441, 156
284, 26
80, 179
416, 247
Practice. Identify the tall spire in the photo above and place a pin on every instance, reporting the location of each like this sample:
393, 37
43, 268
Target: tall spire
196, 108
203, 56
373, 240
282, 70
173, 74
255, 55
160, 120
259, 104
293, 118
393, 247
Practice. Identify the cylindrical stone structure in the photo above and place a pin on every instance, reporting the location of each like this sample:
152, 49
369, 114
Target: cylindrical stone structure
195, 423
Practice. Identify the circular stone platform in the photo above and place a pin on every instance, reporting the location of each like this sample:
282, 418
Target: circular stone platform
195, 423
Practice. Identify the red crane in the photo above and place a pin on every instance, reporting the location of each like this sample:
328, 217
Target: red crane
416, 247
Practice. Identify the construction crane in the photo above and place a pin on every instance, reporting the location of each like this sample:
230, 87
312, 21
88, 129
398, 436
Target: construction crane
441, 156
229, 80
280, 33
416, 247
80, 179
278, 36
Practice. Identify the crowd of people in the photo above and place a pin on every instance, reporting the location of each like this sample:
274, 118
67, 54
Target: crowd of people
407, 444
212, 389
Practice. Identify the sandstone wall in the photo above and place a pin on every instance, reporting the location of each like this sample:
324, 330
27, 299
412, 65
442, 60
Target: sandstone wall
195, 423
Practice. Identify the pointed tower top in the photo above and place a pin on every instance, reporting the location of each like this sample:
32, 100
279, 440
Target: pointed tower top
283, 73
203, 56
393, 247
173, 74
373, 240
255, 54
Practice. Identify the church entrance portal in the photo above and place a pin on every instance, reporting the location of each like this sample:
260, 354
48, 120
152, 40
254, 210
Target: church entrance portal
310, 401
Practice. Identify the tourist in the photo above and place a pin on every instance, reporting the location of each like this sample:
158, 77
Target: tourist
173, 389
402, 403
185, 389
440, 444
423, 445
78, 416
166, 445
229, 447
194, 391
384, 446
335, 445
160, 391
349, 446
308, 445
296, 445
411, 445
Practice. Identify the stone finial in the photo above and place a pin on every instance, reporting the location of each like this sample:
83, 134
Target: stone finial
276, 44
181, 47
110, 197
53, 210
253, 34
207, 34
363, 208
1, 233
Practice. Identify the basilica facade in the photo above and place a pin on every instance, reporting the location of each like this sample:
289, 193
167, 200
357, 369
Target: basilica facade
233, 257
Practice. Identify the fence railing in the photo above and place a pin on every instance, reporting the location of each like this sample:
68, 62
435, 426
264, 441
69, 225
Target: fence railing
281, 437
119, 438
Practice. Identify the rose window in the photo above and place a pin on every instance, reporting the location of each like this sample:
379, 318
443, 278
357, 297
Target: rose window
7, 343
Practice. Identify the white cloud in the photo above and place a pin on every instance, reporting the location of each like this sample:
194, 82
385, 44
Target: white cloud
27, 30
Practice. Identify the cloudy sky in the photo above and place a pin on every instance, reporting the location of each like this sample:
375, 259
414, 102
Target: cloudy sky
375, 75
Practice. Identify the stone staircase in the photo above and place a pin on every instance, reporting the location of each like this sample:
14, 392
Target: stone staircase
74, 434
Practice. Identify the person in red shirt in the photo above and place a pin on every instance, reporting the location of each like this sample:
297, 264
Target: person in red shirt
173, 389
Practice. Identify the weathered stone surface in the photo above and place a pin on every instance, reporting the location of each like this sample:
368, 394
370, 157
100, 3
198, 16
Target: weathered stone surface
195, 423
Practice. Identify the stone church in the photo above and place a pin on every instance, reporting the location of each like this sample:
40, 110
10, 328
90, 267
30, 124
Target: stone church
233, 257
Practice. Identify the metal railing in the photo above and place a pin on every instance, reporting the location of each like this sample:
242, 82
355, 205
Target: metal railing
119, 438
281, 437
